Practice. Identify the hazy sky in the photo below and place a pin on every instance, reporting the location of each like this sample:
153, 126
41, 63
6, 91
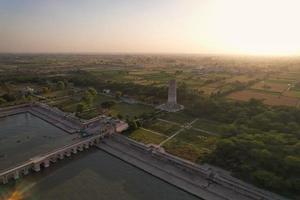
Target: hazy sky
156, 26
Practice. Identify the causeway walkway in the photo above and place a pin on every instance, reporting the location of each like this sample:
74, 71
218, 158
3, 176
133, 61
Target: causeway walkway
194, 181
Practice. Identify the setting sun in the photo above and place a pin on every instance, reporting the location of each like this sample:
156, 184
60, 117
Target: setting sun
257, 26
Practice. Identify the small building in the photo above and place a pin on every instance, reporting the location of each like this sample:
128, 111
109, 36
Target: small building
121, 126
27, 90
106, 91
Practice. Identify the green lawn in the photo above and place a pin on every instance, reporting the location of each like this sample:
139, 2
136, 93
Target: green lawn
67, 105
130, 110
178, 117
100, 98
146, 137
88, 114
208, 125
162, 127
55, 94
191, 145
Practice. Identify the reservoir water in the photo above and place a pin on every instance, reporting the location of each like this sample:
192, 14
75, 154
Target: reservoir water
24, 136
92, 174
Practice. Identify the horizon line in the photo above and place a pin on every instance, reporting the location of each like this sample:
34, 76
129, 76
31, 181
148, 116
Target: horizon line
154, 53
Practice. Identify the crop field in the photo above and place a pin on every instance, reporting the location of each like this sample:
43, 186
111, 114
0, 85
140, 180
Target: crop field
242, 78
291, 76
270, 86
292, 93
269, 99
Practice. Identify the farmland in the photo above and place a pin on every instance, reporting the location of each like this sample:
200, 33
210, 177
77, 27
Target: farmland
221, 116
267, 98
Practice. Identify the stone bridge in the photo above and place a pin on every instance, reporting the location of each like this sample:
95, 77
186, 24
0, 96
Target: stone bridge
46, 159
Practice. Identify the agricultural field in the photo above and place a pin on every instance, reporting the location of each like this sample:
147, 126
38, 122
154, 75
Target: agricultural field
243, 78
267, 98
292, 93
272, 86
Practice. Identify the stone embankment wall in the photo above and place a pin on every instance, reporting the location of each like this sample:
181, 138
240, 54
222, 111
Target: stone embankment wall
211, 173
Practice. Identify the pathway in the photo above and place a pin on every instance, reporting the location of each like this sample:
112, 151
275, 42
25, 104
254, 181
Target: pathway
154, 132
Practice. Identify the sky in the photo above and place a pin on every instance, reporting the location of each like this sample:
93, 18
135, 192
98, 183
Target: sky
259, 27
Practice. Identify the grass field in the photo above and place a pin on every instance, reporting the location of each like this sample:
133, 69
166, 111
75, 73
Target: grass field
178, 117
162, 127
208, 125
130, 110
191, 145
88, 114
146, 137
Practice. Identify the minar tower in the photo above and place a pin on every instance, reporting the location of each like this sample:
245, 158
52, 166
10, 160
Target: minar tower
172, 94
171, 105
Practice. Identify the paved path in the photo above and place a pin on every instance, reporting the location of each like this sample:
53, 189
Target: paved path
188, 181
204, 131
171, 137
154, 132
177, 132
170, 122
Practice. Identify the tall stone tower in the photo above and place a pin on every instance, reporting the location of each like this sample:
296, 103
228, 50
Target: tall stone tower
171, 105
172, 94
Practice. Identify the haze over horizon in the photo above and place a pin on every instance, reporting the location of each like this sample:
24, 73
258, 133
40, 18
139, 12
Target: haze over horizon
257, 27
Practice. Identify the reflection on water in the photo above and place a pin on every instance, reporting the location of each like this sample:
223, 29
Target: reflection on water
23, 136
93, 175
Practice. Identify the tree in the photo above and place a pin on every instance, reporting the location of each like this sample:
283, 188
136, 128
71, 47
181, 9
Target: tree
293, 162
118, 94
119, 116
9, 97
92, 91
88, 98
2, 101
60, 85
80, 107
107, 104
267, 179
45, 90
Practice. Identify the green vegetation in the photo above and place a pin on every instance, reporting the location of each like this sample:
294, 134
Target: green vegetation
130, 110
211, 126
146, 137
161, 127
258, 143
270, 160
192, 145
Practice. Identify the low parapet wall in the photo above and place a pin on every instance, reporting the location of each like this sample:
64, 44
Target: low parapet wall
52, 116
45, 159
207, 171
